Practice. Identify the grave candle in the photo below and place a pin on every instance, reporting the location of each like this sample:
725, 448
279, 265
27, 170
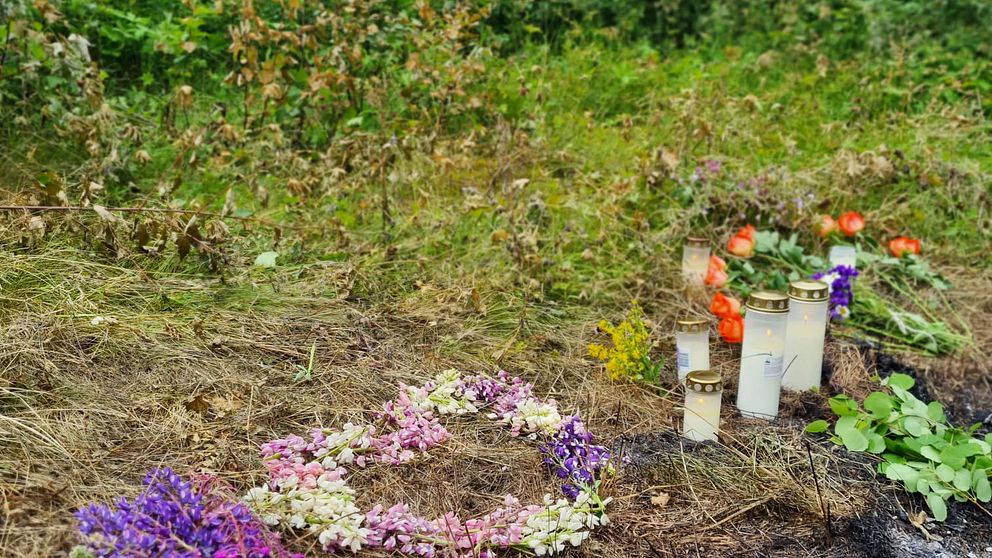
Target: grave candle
695, 260
703, 392
843, 255
762, 351
806, 326
692, 346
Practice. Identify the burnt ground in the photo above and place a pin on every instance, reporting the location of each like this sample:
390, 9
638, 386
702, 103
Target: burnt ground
869, 516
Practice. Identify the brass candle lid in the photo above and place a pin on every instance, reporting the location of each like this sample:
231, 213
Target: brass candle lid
703, 381
809, 290
697, 242
768, 301
691, 326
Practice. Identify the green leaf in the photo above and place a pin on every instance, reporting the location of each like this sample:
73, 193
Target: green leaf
938, 506
930, 453
904, 473
903, 381
983, 489
854, 439
817, 426
955, 456
945, 473
935, 411
843, 405
876, 443
962, 480
266, 259
879, 404
914, 426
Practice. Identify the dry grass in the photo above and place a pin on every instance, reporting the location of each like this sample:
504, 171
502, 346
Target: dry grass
88, 408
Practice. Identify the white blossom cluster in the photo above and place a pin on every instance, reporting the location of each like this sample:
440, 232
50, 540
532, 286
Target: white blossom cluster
443, 395
327, 510
561, 523
535, 416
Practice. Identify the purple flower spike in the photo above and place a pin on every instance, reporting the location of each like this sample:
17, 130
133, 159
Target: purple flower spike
841, 289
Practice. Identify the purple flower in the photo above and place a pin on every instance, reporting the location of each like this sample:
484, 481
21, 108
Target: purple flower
177, 519
574, 457
841, 289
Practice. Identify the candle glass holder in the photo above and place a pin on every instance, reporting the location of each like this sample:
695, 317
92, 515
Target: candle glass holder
762, 354
695, 260
703, 395
805, 330
843, 255
692, 346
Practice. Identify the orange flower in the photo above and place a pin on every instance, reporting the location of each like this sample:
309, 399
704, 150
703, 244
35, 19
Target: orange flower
731, 329
747, 232
826, 226
904, 245
724, 306
741, 246
851, 223
718, 263
716, 277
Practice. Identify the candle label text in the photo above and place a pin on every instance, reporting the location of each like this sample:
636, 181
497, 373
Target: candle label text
773, 366
683, 360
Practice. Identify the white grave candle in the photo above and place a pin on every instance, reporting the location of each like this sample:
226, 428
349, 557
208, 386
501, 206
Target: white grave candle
692, 346
762, 352
695, 260
807, 324
843, 255
703, 393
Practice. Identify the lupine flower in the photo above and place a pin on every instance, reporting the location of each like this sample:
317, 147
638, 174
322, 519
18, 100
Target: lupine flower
307, 488
851, 223
327, 510
841, 294
574, 457
176, 518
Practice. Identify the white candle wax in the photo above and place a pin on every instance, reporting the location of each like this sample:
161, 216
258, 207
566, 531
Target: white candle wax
692, 346
701, 420
695, 261
762, 353
843, 255
805, 330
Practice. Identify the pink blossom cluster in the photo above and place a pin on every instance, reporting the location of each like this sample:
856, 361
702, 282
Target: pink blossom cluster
513, 402
407, 427
307, 488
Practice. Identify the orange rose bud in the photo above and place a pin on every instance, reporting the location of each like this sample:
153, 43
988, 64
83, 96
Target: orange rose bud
723, 306
731, 329
741, 246
904, 245
718, 263
851, 223
716, 277
826, 226
747, 232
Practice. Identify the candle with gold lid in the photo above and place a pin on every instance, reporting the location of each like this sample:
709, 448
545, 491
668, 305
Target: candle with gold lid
695, 260
692, 346
703, 394
762, 352
805, 329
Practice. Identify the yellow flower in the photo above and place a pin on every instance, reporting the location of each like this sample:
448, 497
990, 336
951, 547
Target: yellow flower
629, 358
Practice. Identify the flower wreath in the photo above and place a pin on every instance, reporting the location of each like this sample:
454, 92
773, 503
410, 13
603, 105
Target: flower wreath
307, 489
